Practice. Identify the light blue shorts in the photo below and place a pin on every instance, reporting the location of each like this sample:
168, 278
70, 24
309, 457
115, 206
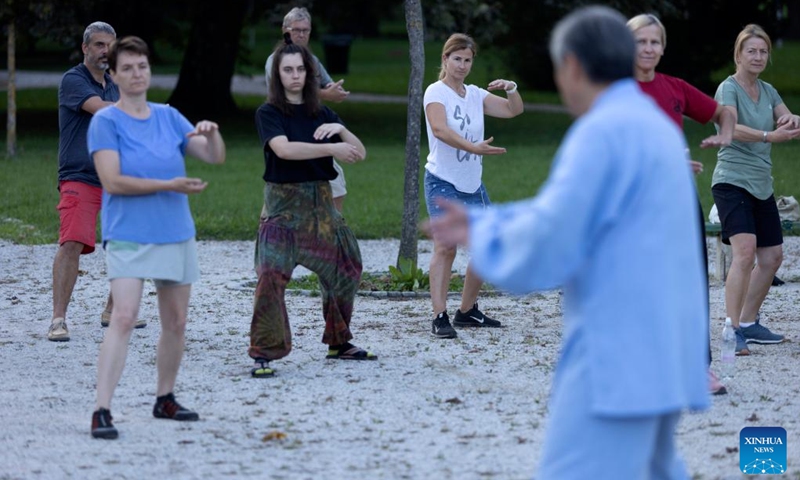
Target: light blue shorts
435, 188
166, 264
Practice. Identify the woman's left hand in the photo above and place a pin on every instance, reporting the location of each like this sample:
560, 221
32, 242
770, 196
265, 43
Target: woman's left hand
789, 119
205, 128
501, 84
327, 130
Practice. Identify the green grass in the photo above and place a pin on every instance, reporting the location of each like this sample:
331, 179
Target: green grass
229, 208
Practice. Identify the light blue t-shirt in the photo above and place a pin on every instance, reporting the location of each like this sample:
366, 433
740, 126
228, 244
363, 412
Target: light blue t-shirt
615, 225
152, 148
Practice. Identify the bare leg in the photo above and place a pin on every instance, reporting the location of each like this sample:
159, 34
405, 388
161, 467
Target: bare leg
114, 350
472, 286
109, 303
441, 266
736, 285
65, 274
338, 202
173, 306
769, 260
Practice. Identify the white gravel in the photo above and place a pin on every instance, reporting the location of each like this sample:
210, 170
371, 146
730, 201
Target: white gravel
471, 408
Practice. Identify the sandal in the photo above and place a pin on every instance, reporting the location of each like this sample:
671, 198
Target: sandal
350, 352
261, 369
58, 330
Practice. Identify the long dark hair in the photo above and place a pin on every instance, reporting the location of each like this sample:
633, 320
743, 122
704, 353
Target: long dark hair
277, 94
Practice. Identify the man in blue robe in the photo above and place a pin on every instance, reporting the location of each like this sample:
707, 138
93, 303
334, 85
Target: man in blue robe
614, 226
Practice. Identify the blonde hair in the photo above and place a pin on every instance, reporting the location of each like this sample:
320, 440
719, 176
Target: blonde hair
748, 32
456, 42
645, 20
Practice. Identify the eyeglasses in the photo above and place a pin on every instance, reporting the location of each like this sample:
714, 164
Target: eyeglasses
300, 31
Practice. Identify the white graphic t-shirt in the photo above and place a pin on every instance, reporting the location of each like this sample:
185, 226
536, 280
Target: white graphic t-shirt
465, 117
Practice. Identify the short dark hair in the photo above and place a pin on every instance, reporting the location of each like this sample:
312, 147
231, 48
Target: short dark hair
599, 39
277, 94
130, 44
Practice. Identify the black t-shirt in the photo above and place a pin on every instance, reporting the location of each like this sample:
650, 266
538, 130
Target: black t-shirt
299, 127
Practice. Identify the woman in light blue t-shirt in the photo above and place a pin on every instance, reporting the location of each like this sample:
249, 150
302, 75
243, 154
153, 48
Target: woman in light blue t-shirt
742, 186
148, 232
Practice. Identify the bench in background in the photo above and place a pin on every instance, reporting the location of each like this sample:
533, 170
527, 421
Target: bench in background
723, 255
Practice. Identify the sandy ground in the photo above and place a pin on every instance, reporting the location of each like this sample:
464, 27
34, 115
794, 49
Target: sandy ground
471, 408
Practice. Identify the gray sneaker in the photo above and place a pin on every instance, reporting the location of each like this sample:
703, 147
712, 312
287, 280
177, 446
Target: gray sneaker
757, 333
741, 343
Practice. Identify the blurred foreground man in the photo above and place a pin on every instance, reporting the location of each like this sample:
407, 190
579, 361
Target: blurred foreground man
614, 226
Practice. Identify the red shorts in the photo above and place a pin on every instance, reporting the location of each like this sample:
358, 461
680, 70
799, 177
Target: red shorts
77, 210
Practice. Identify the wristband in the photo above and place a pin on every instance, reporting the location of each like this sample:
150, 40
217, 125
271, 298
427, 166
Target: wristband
764, 137
513, 89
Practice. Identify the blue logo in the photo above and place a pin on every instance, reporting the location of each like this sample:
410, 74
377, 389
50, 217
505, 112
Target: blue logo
762, 450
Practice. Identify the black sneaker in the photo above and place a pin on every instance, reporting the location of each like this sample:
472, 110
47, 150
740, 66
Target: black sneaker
102, 426
474, 318
167, 407
441, 327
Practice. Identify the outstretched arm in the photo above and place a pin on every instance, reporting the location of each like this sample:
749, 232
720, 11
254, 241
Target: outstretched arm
726, 117
437, 119
106, 163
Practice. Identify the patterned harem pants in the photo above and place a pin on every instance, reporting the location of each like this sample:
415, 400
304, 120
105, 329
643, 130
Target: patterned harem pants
302, 227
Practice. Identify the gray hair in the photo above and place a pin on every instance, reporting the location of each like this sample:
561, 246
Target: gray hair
97, 27
297, 14
599, 39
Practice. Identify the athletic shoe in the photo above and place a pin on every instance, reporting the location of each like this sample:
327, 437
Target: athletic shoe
474, 318
58, 331
167, 407
715, 387
741, 343
105, 320
757, 333
441, 327
102, 426
261, 369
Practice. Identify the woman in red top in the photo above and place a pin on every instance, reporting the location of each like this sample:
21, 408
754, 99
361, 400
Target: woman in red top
678, 99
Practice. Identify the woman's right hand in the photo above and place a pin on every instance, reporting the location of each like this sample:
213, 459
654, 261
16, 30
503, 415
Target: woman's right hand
187, 185
345, 152
484, 148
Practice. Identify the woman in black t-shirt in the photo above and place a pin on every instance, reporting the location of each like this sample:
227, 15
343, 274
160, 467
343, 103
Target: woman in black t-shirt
300, 225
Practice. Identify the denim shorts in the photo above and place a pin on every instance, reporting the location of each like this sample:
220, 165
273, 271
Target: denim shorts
435, 188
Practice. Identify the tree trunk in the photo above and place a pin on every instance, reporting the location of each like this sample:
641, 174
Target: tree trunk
409, 233
11, 120
204, 84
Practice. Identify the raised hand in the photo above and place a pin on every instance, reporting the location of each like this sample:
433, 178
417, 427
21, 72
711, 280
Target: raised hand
501, 84
205, 128
334, 92
327, 130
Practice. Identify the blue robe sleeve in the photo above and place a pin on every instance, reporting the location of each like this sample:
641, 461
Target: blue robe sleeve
540, 243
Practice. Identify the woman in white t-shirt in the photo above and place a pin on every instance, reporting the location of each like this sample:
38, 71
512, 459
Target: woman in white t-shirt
454, 119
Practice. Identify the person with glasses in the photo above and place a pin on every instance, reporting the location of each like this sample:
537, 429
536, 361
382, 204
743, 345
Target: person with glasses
297, 23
